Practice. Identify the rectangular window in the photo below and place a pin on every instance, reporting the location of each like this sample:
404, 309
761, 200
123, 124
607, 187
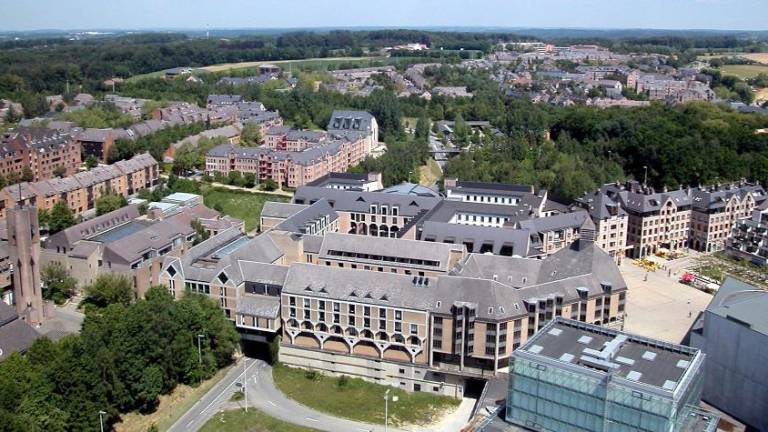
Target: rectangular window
414, 329
398, 315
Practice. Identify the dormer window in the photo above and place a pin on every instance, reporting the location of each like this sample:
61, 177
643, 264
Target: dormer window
223, 278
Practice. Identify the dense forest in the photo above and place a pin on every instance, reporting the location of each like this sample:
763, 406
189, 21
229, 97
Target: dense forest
127, 354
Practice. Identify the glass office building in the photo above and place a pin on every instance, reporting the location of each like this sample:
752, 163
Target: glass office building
573, 376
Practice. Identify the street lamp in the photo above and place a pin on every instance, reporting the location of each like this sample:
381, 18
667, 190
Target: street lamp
245, 382
386, 408
101, 419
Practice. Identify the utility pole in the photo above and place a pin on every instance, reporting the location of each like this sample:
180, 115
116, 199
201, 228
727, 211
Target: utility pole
199, 349
386, 409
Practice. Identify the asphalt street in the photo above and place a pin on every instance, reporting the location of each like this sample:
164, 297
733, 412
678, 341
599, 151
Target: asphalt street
264, 396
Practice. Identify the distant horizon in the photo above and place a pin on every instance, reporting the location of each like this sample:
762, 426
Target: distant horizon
470, 28
265, 15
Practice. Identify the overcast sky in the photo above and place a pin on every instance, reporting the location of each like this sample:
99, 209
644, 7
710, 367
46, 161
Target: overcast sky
143, 14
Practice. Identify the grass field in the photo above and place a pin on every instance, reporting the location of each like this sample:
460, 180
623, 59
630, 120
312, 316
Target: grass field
240, 204
360, 400
299, 64
429, 173
744, 71
758, 57
253, 421
172, 407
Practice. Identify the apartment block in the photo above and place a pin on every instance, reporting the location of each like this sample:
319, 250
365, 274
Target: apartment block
320, 156
81, 190
45, 151
700, 218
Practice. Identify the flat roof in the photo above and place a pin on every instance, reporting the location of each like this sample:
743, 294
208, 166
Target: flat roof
642, 360
119, 232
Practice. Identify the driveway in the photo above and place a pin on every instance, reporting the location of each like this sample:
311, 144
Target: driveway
264, 396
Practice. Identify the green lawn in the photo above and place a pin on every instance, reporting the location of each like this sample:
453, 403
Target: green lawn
744, 71
359, 400
253, 421
240, 204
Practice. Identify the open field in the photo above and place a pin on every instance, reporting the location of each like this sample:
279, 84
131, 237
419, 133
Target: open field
359, 400
429, 173
758, 57
240, 204
171, 408
253, 421
744, 71
308, 63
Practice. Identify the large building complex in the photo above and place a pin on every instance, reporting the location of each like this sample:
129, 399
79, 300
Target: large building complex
699, 218
573, 376
340, 276
293, 158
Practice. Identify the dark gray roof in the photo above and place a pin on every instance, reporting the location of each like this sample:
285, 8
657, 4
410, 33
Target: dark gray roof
742, 303
15, 334
378, 247
350, 120
445, 210
259, 306
357, 201
634, 358
276, 209
478, 235
302, 220
554, 223
363, 286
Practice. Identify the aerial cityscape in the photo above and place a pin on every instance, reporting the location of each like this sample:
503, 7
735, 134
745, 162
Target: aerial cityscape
410, 216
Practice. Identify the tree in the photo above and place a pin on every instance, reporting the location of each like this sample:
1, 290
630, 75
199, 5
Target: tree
249, 180
422, 129
58, 284
250, 135
201, 234
60, 217
109, 202
108, 289
59, 171
91, 162
234, 178
268, 185
461, 131
27, 175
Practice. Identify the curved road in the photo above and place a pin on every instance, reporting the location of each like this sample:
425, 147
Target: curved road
263, 395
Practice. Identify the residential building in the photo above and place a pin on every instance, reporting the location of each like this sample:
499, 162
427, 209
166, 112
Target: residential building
749, 237
44, 151
80, 191
733, 333
700, 218
610, 219
577, 376
356, 123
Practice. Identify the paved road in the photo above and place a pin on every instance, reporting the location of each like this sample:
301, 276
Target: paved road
263, 395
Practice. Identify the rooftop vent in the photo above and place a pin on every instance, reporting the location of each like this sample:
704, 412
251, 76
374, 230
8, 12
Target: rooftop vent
624, 360
669, 385
650, 356
536, 349
584, 340
634, 376
683, 364
555, 332
566, 357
